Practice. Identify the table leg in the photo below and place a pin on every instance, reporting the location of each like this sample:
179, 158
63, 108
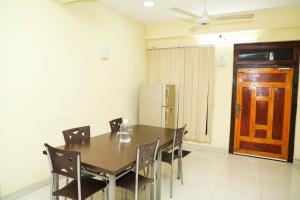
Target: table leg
112, 187
158, 181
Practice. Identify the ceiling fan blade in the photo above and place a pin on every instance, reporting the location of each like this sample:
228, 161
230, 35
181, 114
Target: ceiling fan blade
194, 28
231, 17
183, 12
72, 1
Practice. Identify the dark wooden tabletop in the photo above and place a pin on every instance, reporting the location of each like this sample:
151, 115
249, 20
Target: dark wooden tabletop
106, 154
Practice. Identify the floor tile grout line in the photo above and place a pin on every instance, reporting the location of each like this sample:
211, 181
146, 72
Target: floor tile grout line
218, 181
261, 181
222, 169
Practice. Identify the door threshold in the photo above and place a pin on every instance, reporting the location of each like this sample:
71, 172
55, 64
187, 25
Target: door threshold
263, 157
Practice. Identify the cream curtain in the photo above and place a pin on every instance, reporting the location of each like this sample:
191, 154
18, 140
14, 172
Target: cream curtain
191, 70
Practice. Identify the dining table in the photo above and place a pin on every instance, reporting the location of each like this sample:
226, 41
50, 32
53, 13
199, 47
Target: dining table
106, 154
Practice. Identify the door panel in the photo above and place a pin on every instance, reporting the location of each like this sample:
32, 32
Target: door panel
245, 116
279, 95
263, 109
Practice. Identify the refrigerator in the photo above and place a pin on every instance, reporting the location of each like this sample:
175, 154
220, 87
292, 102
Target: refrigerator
157, 105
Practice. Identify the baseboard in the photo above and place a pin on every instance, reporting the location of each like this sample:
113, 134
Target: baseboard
195, 146
296, 162
26, 190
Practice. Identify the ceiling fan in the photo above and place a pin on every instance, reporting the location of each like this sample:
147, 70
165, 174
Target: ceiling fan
71, 1
205, 18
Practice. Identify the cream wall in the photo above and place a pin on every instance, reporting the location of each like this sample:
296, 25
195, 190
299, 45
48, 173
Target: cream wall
223, 79
286, 17
52, 78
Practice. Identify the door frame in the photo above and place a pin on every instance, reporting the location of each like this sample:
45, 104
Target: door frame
294, 64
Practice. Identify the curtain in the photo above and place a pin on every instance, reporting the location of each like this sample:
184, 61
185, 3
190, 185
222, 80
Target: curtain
191, 70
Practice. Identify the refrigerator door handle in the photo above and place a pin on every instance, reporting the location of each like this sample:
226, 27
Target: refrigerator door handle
167, 95
167, 113
166, 116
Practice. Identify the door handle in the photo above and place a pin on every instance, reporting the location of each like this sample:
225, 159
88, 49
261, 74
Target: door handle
167, 95
166, 117
238, 110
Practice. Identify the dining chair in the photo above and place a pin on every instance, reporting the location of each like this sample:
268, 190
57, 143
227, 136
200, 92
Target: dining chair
80, 135
77, 135
169, 158
133, 181
67, 163
115, 124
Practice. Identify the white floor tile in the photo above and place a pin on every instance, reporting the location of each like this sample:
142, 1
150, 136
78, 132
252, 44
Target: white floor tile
218, 176
226, 194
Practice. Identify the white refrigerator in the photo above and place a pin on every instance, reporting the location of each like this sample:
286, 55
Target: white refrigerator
157, 105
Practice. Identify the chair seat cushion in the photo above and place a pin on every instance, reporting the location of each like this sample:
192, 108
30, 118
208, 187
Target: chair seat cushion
167, 156
128, 181
89, 186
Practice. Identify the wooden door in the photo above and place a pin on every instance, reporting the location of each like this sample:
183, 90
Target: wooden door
262, 113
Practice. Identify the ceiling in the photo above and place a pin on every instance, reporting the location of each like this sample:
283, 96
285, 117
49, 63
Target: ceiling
161, 12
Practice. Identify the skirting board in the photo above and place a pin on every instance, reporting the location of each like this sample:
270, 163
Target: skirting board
26, 190
296, 162
194, 146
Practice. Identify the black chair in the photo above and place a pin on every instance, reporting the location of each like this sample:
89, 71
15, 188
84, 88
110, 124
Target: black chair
169, 157
115, 124
77, 135
67, 163
133, 181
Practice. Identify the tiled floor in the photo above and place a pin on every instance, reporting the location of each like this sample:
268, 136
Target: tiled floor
218, 176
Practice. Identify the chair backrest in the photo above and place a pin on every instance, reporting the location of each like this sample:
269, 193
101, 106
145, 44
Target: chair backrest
66, 163
77, 135
115, 124
146, 154
178, 136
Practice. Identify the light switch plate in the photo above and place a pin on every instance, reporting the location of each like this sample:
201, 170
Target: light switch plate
104, 53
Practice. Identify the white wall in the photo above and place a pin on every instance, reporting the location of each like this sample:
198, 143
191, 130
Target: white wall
52, 78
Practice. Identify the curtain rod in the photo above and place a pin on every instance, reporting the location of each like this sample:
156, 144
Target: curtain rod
179, 46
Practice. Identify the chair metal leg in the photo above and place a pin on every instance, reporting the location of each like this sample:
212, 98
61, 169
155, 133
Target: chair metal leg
181, 176
171, 182
51, 186
154, 180
181, 173
178, 168
67, 182
158, 175
55, 185
152, 189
